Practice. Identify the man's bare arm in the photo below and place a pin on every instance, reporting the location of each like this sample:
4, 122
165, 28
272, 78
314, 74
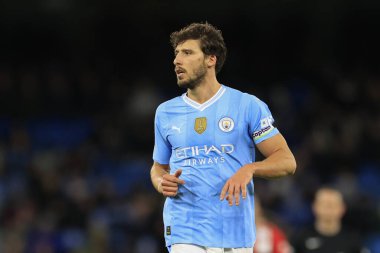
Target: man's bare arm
163, 182
156, 173
279, 160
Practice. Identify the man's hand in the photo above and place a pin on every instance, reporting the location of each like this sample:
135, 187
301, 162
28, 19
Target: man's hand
237, 184
169, 184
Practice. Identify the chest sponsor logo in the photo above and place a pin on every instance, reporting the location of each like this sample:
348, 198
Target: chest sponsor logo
203, 150
204, 155
200, 125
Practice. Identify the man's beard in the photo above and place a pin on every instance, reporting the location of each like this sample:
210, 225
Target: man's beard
194, 81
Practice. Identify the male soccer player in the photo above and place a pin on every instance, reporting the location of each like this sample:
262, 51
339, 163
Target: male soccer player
204, 151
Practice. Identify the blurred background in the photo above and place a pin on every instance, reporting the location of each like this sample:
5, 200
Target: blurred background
80, 82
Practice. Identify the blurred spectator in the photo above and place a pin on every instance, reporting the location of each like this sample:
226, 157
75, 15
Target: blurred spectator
328, 234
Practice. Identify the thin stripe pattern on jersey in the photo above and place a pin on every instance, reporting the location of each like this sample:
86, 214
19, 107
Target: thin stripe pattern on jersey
210, 142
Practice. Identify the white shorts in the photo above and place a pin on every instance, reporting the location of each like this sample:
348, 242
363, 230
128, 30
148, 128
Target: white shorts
191, 248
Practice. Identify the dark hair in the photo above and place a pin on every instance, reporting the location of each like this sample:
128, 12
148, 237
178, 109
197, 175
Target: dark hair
211, 40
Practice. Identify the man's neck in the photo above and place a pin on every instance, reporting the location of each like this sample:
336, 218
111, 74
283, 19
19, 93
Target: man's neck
204, 91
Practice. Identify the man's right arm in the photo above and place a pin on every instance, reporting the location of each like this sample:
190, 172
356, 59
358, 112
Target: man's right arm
156, 174
163, 182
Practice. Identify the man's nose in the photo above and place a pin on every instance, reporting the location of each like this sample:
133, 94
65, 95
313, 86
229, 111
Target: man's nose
177, 60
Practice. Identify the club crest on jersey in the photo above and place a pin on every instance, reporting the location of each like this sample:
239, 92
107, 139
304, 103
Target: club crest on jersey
226, 124
200, 125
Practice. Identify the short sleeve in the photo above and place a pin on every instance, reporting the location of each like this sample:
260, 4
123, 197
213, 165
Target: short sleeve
162, 148
260, 121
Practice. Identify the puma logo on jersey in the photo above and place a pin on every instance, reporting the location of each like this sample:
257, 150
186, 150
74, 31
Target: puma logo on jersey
176, 128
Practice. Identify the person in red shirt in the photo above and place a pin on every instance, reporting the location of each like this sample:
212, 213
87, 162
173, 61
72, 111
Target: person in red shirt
269, 237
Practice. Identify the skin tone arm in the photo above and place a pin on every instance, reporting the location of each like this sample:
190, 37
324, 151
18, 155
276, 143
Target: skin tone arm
165, 183
279, 162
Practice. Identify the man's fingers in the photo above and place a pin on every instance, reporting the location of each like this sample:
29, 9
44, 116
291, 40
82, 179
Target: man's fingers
231, 195
178, 173
224, 190
237, 195
177, 180
180, 181
176, 176
168, 183
231, 192
228, 199
170, 188
244, 191
169, 193
173, 179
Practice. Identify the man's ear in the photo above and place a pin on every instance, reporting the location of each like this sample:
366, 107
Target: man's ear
211, 60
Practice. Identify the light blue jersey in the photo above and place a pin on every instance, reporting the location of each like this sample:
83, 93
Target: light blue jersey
210, 142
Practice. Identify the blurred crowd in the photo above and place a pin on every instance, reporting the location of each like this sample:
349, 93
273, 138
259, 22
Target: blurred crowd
76, 145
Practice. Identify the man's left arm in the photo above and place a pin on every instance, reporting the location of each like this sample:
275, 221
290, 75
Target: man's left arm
279, 161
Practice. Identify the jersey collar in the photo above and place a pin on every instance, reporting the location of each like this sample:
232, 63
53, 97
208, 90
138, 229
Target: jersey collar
206, 104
